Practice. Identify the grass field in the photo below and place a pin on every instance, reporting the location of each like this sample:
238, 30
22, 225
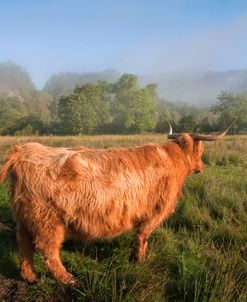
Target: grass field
199, 254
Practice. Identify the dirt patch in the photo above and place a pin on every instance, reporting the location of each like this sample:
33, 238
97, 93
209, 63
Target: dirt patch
12, 290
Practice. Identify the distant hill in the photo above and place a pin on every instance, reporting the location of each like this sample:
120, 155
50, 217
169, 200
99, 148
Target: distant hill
64, 83
14, 81
196, 86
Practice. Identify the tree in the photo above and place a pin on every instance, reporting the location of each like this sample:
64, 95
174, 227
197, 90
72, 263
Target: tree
69, 114
231, 106
65, 83
19, 100
187, 124
167, 112
94, 102
11, 110
38, 104
27, 125
205, 125
133, 108
86, 110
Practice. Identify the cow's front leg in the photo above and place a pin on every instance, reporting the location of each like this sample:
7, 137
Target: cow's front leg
141, 248
144, 230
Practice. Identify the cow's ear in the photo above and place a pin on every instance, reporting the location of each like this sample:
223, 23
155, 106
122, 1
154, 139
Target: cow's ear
198, 147
186, 142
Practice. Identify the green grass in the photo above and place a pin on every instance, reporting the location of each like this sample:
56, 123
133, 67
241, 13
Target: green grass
199, 254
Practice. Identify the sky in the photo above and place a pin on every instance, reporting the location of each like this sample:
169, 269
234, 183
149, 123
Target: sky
135, 36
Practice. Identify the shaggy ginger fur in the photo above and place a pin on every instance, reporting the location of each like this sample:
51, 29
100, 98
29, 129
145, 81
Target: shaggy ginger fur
60, 193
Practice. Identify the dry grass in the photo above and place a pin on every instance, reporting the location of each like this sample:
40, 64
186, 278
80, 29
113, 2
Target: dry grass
231, 148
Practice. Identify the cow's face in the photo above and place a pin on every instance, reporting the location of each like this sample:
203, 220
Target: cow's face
192, 146
198, 149
193, 151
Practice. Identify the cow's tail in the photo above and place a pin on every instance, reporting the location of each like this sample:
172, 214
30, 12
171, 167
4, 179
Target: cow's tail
10, 158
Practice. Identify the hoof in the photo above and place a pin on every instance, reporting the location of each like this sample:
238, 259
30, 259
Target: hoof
68, 279
133, 258
72, 282
136, 256
30, 277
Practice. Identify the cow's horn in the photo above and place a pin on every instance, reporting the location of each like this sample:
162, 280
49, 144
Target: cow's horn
171, 135
211, 137
170, 129
201, 137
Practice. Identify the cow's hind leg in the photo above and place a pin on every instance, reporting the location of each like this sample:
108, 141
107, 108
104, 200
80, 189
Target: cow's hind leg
26, 250
48, 241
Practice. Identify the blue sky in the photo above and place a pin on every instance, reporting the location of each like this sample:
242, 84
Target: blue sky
141, 37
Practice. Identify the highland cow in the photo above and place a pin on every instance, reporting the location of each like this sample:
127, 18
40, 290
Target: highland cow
59, 193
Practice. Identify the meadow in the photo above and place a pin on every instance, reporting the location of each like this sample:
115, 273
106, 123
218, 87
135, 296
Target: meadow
198, 254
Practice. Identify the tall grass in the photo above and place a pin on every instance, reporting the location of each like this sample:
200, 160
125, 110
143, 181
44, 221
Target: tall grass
199, 254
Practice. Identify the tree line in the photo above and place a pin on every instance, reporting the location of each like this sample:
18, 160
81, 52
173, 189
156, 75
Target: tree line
111, 107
